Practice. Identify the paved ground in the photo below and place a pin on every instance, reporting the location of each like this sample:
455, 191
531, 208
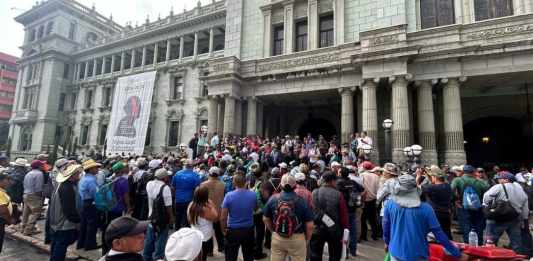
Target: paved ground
18, 251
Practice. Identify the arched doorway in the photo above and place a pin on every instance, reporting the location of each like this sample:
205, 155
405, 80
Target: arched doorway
497, 141
317, 126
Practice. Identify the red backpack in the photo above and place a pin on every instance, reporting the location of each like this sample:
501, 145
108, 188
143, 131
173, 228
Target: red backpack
286, 222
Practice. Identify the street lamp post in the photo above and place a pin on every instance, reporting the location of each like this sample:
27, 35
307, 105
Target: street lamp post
413, 154
387, 126
367, 149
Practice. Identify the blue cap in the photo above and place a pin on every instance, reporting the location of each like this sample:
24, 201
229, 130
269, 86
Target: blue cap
505, 175
468, 169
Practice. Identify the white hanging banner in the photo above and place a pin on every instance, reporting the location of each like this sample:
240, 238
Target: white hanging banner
130, 115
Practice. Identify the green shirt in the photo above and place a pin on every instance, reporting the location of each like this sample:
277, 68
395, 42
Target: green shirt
460, 183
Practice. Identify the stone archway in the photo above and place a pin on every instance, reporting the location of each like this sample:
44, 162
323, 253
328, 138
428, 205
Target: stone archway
497, 140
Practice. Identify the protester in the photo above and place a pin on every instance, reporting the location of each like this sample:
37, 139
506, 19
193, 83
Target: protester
6, 207
371, 185
470, 216
33, 197
237, 220
507, 190
89, 215
330, 218
284, 209
64, 216
159, 196
125, 236
201, 214
216, 195
407, 221
302, 191
351, 192
184, 184
17, 174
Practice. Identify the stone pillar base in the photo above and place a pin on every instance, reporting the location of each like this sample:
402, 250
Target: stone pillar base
455, 158
429, 157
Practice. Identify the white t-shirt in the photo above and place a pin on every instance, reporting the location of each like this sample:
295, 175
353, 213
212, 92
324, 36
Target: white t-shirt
152, 188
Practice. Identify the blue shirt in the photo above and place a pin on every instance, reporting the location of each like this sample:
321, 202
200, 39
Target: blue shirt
87, 187
241, 204
405, 231
185, 181
301, 210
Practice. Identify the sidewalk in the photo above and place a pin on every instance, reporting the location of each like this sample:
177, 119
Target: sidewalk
368, 251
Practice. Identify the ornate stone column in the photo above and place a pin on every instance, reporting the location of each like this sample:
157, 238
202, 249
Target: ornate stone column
103, 65
112, 63
169, 46
370, 114
220, 118
238, 118
426, 122
251, 121
267, 30
312, 24
156, 53
260, 116
212, 116
95, 66
288, 26
195, 45
122, 61
143, 60
338, 11
400, 116
211, 41
86, 73
182, 43
346, 113
229, 115
454, 153
133, 54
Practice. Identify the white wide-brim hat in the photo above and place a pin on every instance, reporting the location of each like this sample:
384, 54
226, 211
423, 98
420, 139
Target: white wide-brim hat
185, 244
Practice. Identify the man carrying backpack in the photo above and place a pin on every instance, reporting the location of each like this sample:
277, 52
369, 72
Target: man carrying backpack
468, 192
351, 191
160, 215
291, 221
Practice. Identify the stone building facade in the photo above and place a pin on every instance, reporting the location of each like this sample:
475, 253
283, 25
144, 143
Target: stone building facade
275, 67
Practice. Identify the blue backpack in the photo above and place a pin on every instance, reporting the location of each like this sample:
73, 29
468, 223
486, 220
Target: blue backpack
105, 198
471, 199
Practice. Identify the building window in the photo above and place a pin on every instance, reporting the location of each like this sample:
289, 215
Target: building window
488, 9
40, 32
177, 88
108, 61
161, 52
72, 31
173, 132
174, 49
102, 135
99, 62
84, 134
108, 98
127, 60
435, 13
204, 91
33, 33
88, 99
25, 139
277, 48
29, 74
117, 62
326, 31
301, 36
138, 57
66, 71
49, 27
29, 98
81, 75
62, 102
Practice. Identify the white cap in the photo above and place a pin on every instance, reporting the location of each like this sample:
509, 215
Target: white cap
335, 164
214, 170
185, 244
299, 176
155, 163
283, 165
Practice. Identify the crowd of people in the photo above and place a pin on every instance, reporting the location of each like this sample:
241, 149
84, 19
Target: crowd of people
288, 194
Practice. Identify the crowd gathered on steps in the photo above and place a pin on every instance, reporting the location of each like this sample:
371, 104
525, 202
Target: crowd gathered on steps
286, 194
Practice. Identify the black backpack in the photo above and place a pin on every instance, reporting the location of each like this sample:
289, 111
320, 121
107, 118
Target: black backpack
159, 217
140, 187
501, 210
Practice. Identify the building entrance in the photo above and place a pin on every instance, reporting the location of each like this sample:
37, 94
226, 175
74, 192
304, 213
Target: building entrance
316, 127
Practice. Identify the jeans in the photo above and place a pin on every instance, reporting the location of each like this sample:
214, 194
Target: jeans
512, 228
370, 214
352, 217
181, 216
527, 241
319, 238
471, 219
237, 238
445, 221
154, 245
60, 241
140, 209
88, 226
259, 234
219, 236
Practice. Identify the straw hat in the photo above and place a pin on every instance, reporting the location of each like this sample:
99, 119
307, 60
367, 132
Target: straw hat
69, 172
89, 164
21, 162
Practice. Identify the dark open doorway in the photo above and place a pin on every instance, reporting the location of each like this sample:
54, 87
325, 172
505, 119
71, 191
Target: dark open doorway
317, 126
497, 141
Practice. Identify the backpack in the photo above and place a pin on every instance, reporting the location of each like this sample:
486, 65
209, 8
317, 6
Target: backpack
140, 188
471, 199
500, 210
159, 217
105, 198
355, 199
286, 221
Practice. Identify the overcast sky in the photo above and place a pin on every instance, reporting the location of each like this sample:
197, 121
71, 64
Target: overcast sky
122, 10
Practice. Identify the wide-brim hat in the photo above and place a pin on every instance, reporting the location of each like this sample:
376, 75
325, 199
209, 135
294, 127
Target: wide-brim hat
21, 162
405, 192
184, 244
69, 172
89, 164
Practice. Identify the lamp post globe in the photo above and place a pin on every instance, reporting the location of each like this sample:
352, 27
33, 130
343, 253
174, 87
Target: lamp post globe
417, 150
407, 151
387, 124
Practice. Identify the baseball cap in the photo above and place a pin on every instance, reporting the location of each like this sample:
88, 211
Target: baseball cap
123, 227
299, 176
118, 166
468, 169
161, 173
288, 180
505, 175
155, 163
214, 171
367, 165
37, 164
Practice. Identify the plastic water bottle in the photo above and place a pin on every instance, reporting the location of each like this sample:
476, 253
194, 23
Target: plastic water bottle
472, 238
